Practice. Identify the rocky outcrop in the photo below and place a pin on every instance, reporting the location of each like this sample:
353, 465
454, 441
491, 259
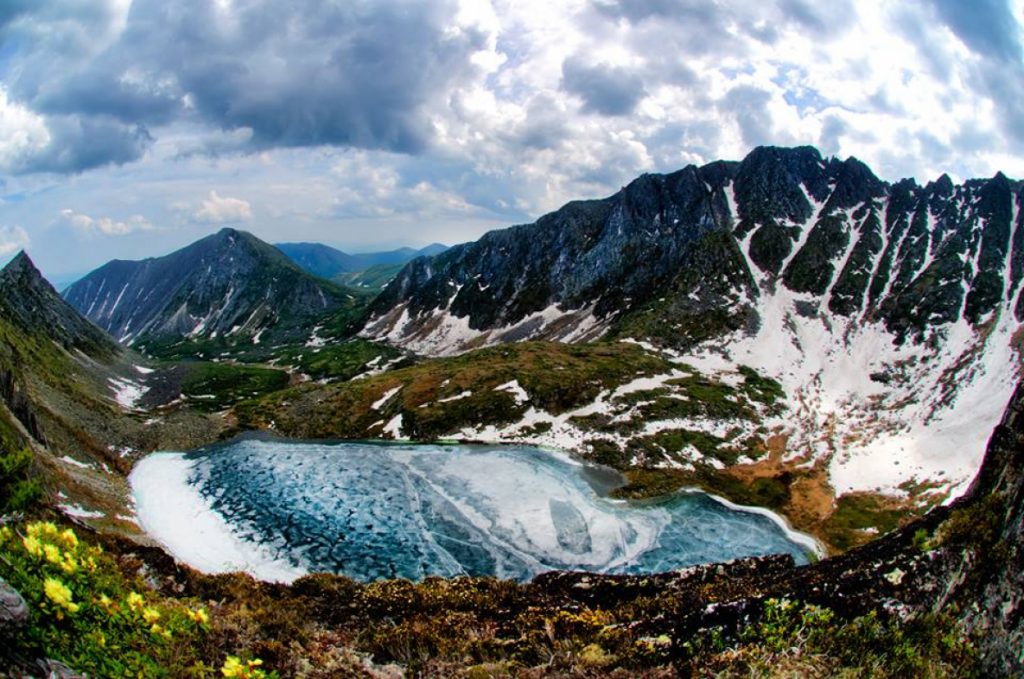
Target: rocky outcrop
13, 609
30, 303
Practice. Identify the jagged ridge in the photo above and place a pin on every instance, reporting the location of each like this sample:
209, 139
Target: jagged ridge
890, 313
28, 301
911, 256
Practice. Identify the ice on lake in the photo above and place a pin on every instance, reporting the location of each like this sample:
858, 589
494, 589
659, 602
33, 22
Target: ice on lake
370, 511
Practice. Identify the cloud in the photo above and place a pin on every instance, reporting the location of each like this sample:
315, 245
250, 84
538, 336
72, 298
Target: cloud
361, 74
608, 90
370, 122
12, 239
104, 225
986, 26
22, 133
749, 106
218, 210
76, 144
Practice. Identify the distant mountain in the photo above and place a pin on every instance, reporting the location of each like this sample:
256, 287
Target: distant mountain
375, 278
230, 285
327, 262
889, 313
29, 302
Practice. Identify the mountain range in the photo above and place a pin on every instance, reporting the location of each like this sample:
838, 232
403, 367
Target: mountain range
327, 262
882, 309
787, 331
889, 312
702, 247
229, 285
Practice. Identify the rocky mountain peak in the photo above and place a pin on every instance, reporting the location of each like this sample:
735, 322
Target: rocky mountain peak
229, 284
31, 303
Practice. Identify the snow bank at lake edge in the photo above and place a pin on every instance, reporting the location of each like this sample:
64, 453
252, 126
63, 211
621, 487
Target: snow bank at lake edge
174, 513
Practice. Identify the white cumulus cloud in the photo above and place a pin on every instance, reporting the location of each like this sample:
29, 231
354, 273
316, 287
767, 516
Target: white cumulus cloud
104, 225
222, 210
12, 239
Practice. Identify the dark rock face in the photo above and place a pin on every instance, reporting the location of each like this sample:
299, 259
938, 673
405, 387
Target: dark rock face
29, 302
690, 245
230, 283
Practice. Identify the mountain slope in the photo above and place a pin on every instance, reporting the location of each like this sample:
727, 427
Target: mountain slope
31, 303
889, 313
230, 284
327, 262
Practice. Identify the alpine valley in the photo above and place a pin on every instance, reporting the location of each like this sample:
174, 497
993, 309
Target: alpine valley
787, 333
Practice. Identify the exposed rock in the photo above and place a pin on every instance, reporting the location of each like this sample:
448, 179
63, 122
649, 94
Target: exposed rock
695, 240
28, 301
54, 669
13, 609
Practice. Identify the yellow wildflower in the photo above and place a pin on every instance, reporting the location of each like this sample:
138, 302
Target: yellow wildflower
150, 615
42, 528
69, 538
69, 565
199, 615
51, 553
135, 601
60, 594
32, 545
157, 629
233, 667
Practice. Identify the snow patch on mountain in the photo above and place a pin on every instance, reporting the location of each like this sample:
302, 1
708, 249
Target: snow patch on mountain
127, 393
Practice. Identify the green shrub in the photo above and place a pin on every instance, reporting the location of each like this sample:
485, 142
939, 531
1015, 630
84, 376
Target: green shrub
86, 613
18, 489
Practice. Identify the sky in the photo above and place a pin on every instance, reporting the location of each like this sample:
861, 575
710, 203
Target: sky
129, 128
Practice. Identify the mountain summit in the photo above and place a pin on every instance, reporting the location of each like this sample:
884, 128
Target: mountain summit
29, 302
229, 284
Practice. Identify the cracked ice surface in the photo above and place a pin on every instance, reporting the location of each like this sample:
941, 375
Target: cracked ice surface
372, 511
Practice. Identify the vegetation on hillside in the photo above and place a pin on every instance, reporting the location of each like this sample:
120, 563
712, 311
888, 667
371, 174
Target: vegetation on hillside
441, 396
92, 609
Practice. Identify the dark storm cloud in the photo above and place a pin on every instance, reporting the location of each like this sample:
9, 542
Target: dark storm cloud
79, 143
304, 73
986, 26
608, 90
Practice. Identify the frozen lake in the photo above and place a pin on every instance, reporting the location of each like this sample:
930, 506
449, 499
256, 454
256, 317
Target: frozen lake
282, 509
